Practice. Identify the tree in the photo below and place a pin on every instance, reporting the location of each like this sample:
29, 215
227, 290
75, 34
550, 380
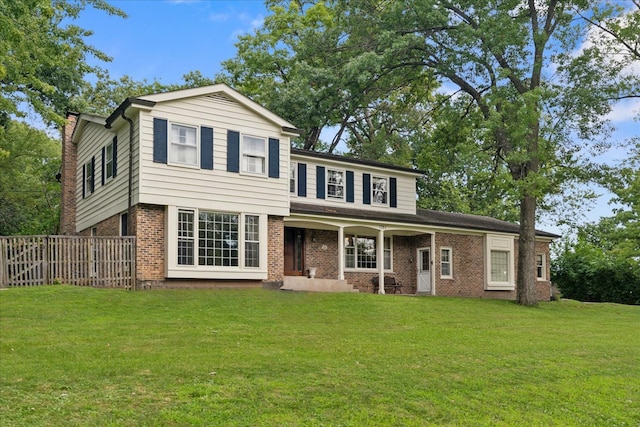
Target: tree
44, 55
29, 192
302, 66
532, 103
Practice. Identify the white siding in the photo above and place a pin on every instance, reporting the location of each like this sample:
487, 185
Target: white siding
208, 189
406, 185
109, 199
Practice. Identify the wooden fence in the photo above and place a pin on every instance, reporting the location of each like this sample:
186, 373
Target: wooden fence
81, 261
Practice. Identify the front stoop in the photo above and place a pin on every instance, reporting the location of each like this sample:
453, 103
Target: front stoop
297, 283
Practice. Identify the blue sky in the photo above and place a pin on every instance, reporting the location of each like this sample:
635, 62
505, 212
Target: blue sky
165, 39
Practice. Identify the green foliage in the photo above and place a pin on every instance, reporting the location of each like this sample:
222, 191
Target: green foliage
84, 356
44, 55
588, 270
29, 192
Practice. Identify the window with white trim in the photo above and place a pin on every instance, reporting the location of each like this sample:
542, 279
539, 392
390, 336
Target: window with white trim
446, 264
360, 252
541, 269
183, 145
379, 191
89, 177
218, 239
499, 267
293, 175
185, 237
254, 155
335, 184
252, 241
108, 161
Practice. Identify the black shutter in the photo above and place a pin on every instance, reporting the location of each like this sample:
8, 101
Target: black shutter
159, 140
84, 181
302, 180
320, 176
350, 195
206, 148
93, 173
115, 156
366, 188
104, 162
274, 158
393, 192
233, 151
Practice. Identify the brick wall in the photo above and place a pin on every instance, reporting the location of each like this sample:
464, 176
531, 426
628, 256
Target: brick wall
68, 178
321, 253
275, 249
148, 226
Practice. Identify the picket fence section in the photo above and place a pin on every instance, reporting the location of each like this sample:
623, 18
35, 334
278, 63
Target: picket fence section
75, 260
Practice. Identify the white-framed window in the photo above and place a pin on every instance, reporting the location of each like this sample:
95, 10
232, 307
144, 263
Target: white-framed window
500, 266
252, 241
254, 155
89, 177
446, 263
335, 184
183, 145
360, 252
541, 267
218, 239
293, 178
379, 190
108, 161
186, 240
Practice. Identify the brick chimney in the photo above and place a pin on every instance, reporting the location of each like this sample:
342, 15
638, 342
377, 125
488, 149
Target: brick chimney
68, 177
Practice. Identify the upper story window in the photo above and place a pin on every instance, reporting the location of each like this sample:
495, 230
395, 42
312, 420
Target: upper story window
108, 161
335, 184
89, 175
293, 168
183, 145
254, 155
379, 191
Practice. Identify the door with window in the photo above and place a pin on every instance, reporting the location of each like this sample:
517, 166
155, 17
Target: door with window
424, 270
293, 251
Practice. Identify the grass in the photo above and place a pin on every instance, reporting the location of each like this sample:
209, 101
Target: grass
82, 356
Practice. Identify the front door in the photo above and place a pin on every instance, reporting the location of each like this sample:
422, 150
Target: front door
293, 251
424, 270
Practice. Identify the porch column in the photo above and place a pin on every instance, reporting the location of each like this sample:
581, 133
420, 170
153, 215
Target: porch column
341, 253
380, 260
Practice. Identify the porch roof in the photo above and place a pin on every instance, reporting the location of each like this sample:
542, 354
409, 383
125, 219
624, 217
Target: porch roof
422, 217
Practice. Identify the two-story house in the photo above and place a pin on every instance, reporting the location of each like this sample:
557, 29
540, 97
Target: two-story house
207, 181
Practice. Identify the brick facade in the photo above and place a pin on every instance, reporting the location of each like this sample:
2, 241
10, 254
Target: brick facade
275, 250
148, 225
68, 170
468, 264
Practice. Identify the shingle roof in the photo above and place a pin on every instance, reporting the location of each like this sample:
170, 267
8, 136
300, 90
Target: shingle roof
338, 158
422, 217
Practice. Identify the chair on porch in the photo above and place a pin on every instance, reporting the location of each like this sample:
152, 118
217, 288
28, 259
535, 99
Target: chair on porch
389, 284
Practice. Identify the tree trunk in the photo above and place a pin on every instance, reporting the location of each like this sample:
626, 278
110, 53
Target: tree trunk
526, 278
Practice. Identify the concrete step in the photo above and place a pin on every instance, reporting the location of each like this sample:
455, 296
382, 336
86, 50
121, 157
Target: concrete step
298, 283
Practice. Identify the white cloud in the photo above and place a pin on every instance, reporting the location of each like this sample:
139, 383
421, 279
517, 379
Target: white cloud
626, 110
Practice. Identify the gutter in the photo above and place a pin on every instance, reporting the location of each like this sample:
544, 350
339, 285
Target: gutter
130, 192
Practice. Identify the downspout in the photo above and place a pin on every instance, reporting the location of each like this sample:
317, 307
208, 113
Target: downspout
130, 195
129, 200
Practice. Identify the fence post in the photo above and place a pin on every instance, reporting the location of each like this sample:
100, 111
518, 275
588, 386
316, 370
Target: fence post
4, 280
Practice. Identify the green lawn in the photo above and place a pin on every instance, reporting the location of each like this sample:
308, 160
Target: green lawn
84, 356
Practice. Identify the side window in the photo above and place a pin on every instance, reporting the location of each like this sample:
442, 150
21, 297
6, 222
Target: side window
185, 237
541, 269
293, 174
